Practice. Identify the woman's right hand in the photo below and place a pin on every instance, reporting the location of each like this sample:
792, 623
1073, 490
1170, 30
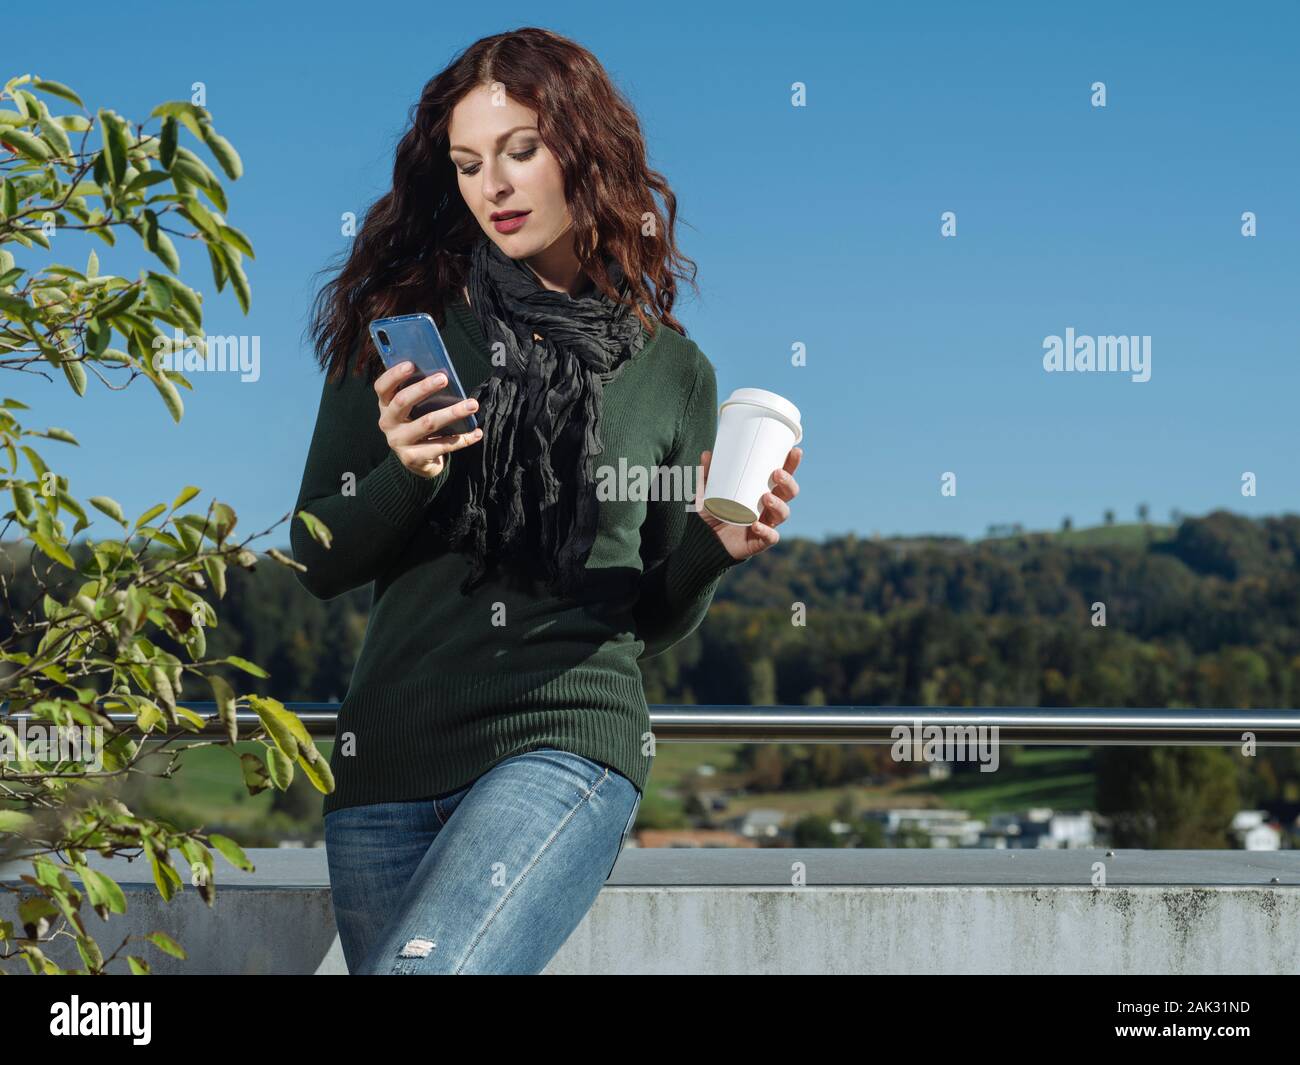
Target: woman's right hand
416, 443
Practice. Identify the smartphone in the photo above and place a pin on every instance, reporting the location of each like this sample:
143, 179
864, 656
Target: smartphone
414, 338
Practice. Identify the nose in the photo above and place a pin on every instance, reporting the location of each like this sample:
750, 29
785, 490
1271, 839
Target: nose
494, 186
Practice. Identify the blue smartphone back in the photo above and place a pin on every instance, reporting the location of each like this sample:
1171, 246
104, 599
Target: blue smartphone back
415, 338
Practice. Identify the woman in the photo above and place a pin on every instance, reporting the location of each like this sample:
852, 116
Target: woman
494, 743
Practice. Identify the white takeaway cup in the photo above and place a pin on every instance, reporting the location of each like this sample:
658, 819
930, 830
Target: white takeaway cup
756, 430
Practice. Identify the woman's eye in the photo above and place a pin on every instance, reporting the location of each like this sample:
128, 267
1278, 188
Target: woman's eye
521, 156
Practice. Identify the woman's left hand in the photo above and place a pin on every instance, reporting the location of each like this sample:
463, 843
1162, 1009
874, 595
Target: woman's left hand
744, 541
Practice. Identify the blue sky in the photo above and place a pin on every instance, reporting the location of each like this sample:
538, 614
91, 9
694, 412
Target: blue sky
816, 224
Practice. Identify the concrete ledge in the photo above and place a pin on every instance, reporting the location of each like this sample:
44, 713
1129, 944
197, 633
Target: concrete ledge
735, 911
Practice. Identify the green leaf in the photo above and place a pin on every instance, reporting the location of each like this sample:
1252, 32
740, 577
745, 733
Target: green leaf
233, 853
215, 568
14, 307
38, 463
164, 942
187, 298
56, 88
224, 519
53, 550
219, 272
158, 242
102, 890
186, 494
224, 152
31, 146
74, 508
191, 114
171, 398
167, 142
121, 303
285, 729
316, 767
246, 666
26, 101
75, 371
115, 145
200, 216
254, 771
159, 291
195, 169
318, 530
53, 133
281, 767
90, 954
224, 696
217, 196
109, 506
55, 433
236, 239
15, 821
149, 515
146, 179
238, 280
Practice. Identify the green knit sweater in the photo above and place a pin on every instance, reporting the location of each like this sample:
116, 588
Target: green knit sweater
447, 685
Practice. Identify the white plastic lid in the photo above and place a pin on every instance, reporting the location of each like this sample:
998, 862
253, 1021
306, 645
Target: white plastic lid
769, 401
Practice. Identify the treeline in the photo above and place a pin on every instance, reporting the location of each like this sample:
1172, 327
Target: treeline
1209, 617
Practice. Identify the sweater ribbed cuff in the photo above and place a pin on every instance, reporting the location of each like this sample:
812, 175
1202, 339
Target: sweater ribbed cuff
398, 493
699, 560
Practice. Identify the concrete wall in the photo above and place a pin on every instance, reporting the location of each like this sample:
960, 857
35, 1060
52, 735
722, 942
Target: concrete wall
868, 911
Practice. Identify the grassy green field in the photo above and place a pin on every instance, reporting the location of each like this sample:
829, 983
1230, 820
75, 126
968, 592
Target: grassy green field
1061, 778
207, 791
1131, 535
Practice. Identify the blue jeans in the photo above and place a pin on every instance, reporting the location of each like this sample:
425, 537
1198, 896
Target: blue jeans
492, 878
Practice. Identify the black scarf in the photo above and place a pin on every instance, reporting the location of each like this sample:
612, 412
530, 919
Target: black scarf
529, 492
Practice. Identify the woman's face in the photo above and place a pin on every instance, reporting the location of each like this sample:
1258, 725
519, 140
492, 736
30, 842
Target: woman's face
502, 166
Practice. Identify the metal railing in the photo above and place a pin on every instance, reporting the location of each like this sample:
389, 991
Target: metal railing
1022, 726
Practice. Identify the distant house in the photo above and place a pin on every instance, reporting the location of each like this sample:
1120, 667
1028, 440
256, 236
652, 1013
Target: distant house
1041, 828
1254, 833
946, 828
759, 824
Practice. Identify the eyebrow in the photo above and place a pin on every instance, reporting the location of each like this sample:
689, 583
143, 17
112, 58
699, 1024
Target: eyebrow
462, 148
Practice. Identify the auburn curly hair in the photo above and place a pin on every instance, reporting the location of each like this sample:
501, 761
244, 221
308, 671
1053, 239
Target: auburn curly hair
412, 250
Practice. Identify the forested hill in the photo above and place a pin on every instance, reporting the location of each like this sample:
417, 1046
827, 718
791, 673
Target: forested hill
1204, 614
1213, 580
